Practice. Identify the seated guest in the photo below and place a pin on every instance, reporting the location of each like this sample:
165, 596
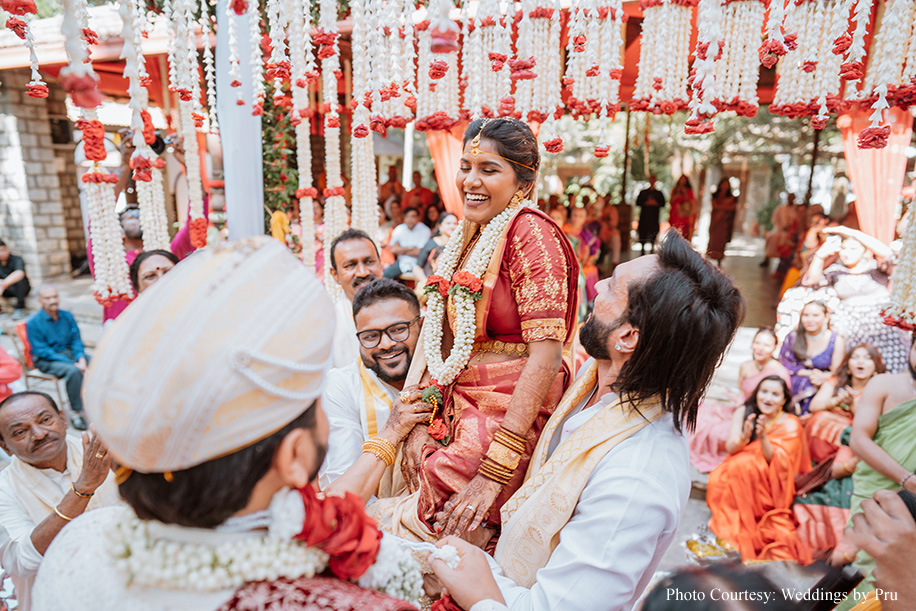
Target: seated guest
13, 281
57, 348
822, 511
751, 492
609, 479
707, 442
240, 406
425, 266
406, 241
882, 437
10, 371
51, 479
811, 353
354, 262
834, 405
358, 398
149, 266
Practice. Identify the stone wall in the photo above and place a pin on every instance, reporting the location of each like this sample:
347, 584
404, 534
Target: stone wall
67, 176
32, 218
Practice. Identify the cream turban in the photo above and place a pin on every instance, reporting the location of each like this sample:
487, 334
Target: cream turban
229, 347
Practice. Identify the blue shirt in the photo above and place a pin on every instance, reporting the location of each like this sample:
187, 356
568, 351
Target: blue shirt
50, 338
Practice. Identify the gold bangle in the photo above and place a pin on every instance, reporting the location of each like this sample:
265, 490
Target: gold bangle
494, 472
504, 456
510, 442
60, 515
509, 436
80, 494
383, 449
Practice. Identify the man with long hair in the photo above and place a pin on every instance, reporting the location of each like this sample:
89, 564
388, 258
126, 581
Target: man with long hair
609, 478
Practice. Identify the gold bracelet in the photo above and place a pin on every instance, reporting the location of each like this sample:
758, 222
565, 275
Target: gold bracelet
509, 437
80, 494
60, 515
512, 443
504, 456
383, 449
494, 472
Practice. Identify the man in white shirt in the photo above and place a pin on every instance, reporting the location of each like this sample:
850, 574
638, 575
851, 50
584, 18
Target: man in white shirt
354, 262
407, 240
608, 482
358, 398
50, 480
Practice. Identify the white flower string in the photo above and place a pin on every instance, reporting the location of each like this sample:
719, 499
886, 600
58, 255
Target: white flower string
438, 93
661, 83
335, 212
304, 75
145, 164
885, 71
206, 28
366, 96
150, 554
773, 46
36, 87
187, 80
853, 68
445, 371
738, 70
902, 309
536, 68
256, 60
704, 77
235, 69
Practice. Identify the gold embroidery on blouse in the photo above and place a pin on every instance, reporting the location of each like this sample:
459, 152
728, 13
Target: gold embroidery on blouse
551, 293
539, 329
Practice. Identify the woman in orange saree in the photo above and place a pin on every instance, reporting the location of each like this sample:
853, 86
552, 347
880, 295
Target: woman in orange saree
751, 493
502, 311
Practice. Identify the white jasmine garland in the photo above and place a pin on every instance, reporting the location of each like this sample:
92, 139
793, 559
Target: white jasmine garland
445, 371
149, 555
256, 61
206, 27
368, 44
235, 70
891, 46
303, 63
903, 291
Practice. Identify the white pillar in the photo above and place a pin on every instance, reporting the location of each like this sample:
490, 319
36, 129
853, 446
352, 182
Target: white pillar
240, 134
407, 174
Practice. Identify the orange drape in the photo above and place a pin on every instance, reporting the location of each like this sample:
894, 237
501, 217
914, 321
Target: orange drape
877, 174
445, 149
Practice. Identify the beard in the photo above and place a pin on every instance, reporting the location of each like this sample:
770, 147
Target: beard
388, 376
358, 282
594, 337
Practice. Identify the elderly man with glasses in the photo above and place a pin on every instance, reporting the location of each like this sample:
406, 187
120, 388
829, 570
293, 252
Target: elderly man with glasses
368, 408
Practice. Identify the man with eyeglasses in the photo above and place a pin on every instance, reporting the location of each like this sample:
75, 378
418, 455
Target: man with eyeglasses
363, 400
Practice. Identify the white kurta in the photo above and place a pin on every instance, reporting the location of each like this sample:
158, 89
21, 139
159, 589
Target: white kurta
351, 420
625, 520
346, 346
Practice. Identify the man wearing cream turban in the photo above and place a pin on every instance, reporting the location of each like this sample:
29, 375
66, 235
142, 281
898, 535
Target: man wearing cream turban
206, 392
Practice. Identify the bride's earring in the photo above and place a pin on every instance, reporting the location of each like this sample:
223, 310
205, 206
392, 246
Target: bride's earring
517, 198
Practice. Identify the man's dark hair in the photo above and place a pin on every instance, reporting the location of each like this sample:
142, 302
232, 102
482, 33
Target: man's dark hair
206, 495
143, 256
16, 396
687, 313
381, 289
346, 236
410, 209
2, 243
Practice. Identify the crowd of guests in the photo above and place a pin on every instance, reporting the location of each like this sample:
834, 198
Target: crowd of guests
824, 416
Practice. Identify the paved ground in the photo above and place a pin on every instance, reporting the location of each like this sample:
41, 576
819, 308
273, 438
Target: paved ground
741, 262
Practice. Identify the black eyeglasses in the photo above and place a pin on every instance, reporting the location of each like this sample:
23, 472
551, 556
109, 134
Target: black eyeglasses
398, 332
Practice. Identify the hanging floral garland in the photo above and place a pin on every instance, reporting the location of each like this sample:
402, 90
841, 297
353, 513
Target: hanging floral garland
367, 44
36, 87
488, 46
774, 44
146, 166
809, 77
704, 78
207, 30
335, 211
78, 78
234, 11
738, 70
852, 69
902, 311
536, 68
391, 45
661, 83
111, 274
256, 60
885, 74
304, 75
186, 75
438, 95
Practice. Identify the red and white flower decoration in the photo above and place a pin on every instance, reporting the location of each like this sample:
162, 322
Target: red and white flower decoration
661, 84
487, 49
